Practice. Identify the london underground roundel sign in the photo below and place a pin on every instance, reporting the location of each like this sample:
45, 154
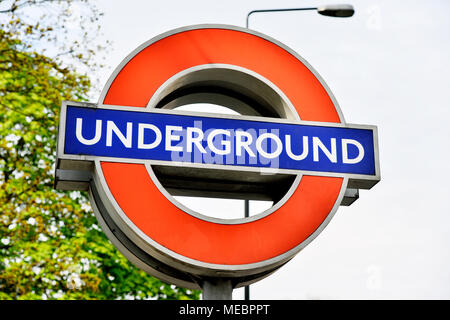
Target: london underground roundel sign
134, 151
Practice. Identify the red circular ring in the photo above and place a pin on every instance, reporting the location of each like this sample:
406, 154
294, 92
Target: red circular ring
179, 232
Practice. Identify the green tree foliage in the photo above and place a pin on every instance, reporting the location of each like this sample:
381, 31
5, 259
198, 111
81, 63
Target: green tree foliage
50, 244
65, 30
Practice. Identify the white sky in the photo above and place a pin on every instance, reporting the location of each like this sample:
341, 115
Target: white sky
387, 66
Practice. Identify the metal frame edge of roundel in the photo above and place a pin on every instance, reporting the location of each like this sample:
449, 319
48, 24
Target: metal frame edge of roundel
146, 223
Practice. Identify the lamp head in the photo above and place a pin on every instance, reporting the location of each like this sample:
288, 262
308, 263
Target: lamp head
337, 10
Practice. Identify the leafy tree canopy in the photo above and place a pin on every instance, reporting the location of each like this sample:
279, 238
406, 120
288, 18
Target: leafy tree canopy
50, 244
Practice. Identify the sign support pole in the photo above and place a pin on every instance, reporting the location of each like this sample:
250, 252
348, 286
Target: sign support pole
217, 289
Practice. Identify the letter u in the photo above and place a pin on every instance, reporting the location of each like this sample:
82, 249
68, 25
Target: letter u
79, 134
289, 149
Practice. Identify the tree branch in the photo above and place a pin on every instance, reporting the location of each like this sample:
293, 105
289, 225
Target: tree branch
16, 6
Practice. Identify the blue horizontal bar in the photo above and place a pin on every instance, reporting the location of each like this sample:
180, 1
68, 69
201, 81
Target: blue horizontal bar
250, 143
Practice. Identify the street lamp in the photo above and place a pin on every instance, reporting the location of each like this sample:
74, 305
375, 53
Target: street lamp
335, 10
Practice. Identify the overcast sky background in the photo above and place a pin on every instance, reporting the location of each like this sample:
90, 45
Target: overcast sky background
387, 66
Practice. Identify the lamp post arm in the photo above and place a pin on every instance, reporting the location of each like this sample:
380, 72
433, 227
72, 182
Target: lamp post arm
275, 10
